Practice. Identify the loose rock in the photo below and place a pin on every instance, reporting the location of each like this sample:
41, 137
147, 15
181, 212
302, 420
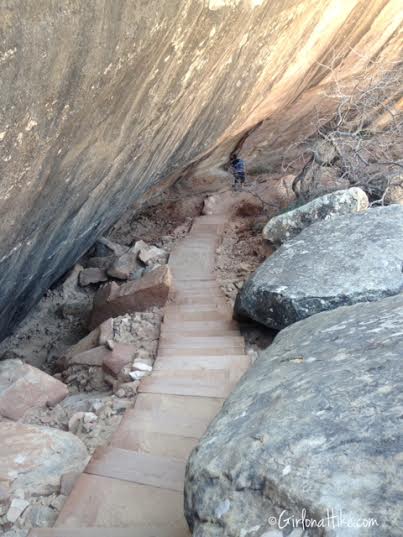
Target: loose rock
394, 190
125, 266
150, 255
117, 359
89, 276
23, 387
16, 509
113, 300
105, 247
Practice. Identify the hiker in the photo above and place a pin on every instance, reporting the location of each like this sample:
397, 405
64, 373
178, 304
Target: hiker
238, 170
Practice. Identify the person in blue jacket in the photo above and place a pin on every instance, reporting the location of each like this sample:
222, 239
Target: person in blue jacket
238, 170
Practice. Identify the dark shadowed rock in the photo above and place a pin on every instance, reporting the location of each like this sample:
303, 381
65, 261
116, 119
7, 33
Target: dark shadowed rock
342, 261
289, 224
124, 266
106, 248
314, 424
126, 94
91, 275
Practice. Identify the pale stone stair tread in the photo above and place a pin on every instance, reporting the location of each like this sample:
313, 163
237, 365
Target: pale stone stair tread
221, 305
209, 282
134, 486
138, 467
105, 502
197, 300
217, 383
169, 414
183, 339
198, 315
198, 331
240, 362
165, 445
194, 325
138, 531
193, 351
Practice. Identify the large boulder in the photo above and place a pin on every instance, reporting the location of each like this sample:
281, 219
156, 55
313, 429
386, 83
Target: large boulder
289, 224
125, 95
34, 459
338, 262
314, 426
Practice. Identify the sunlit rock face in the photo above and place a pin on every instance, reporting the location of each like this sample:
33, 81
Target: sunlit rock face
100, 101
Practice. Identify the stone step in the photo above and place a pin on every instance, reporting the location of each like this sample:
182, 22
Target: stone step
98, 501
221, 306
179, 331
185, 276
217, 383
156, 443
196, 300
240, 362
181, 340
195, 325
194, 351
197, 291
206, 283
197, 245
138, 467
213, 315
137, 531
181, 274
168, 415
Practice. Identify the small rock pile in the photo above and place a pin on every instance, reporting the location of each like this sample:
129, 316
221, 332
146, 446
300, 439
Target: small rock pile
115, 355
112, 260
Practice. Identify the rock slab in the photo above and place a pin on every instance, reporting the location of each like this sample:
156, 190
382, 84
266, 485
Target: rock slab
338, 262
289, 224
113, 300
23, 387
35, 458
314, 424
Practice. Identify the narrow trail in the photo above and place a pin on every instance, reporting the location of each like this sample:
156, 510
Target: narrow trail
134, 486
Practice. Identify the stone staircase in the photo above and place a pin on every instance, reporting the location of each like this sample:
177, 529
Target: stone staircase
134, 486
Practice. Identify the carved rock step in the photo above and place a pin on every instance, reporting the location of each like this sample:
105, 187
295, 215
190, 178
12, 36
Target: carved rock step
184, 326
102, 501
194, 351
138, 467
137, 531
198, 331
241, 362
208, 315
217, 383
196, 300
156, 443
183, 340
206, 283
167, 414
